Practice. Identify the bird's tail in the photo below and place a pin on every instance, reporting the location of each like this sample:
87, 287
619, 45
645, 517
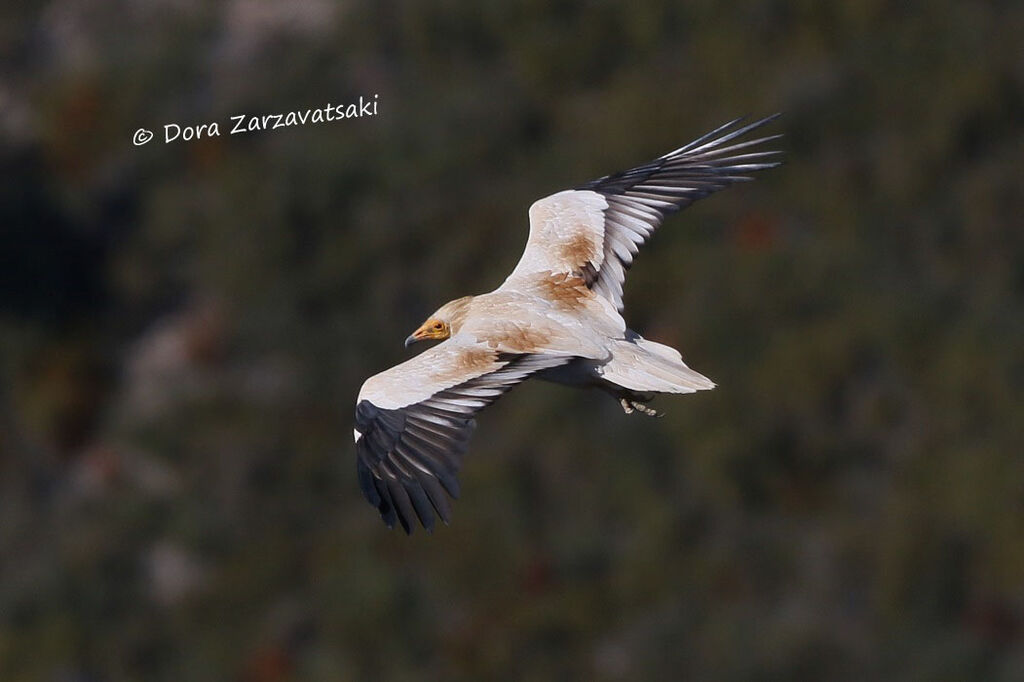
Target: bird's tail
643, 366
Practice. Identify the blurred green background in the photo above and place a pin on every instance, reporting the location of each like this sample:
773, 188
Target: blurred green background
184, 328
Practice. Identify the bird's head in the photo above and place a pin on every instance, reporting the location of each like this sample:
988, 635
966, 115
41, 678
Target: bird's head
443, 323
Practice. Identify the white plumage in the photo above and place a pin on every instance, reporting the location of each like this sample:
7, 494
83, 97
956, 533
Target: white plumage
556, 317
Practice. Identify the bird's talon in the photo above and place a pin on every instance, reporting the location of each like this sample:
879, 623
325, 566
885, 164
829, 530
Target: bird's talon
650, 412
631, 406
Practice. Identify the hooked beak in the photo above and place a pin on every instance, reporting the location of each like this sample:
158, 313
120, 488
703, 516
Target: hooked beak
431, 329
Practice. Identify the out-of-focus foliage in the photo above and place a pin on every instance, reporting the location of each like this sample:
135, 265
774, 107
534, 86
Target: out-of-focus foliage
184, 328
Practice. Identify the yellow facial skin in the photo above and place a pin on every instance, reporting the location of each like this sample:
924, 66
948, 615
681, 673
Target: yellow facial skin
431, 329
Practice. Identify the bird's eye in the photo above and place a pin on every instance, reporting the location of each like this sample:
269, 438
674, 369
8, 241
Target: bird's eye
438, 326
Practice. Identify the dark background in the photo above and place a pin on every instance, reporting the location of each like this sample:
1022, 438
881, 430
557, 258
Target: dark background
184, 328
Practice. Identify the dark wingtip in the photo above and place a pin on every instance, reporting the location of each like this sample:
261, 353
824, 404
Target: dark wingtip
404, 523
455, 489
759, 122
365, 478
389, 520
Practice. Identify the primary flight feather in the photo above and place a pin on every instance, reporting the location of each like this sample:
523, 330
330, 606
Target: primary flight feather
556, 317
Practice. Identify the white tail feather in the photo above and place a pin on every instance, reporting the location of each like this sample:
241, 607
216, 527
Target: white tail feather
641, 365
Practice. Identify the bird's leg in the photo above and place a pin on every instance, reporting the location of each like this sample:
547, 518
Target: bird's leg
631, 403
640, 407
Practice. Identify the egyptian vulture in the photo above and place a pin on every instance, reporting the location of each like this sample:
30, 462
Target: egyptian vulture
556, 317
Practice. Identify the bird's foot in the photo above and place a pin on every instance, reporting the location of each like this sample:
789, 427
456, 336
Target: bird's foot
629, 406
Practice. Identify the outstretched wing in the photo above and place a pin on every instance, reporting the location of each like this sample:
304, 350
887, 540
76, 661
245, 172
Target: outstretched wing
594, 231
413, 424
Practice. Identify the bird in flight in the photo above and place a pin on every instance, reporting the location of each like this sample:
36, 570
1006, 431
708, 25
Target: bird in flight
557, 317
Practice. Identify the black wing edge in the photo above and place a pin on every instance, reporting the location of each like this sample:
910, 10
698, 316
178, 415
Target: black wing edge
696, 169
639, 199
408, 458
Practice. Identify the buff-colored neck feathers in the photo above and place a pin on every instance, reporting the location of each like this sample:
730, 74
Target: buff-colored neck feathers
454, 312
